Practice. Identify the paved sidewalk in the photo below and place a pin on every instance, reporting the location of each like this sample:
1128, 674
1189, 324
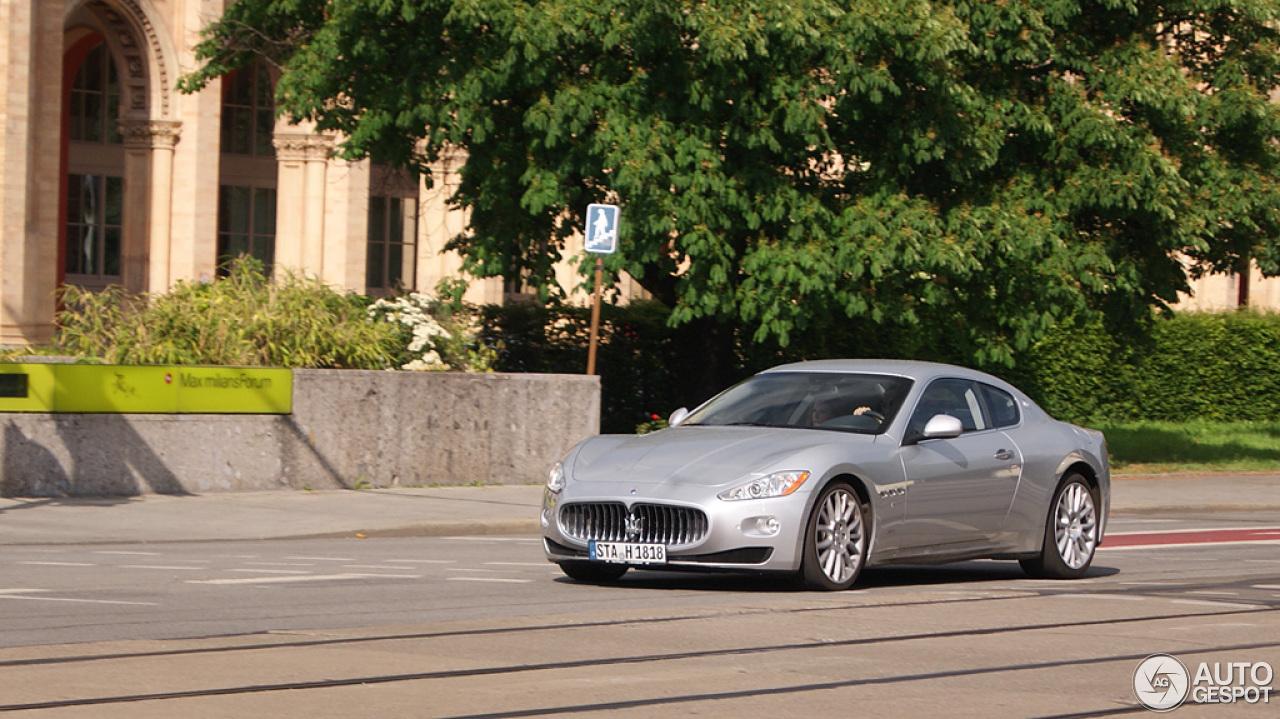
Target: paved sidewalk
438, 511
443, 511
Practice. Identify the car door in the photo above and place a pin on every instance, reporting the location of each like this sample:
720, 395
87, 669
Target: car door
959, 489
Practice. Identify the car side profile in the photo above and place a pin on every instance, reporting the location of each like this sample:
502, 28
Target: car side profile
820, 469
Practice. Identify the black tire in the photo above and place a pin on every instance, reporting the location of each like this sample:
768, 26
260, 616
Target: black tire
1070, 532
593, 572
835, 540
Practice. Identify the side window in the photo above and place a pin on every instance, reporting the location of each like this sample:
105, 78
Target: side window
1002, 406
955, 397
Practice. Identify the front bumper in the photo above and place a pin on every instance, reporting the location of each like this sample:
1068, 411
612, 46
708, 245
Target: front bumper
755, 535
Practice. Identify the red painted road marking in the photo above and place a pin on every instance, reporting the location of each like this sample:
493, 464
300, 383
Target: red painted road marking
1192, 536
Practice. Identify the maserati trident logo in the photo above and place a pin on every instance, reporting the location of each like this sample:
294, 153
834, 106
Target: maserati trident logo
634, 525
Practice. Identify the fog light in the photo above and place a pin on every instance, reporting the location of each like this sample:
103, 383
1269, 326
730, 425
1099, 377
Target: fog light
761, 526
546, 517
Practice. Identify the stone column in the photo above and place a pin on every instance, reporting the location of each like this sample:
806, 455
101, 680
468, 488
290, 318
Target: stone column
31, 49
346, 223
313, 220
300, 201
148, 220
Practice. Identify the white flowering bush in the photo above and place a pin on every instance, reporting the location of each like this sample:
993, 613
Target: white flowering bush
438, 335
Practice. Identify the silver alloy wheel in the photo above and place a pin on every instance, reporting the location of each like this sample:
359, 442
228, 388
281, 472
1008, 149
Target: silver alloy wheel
1076, 526
838, 536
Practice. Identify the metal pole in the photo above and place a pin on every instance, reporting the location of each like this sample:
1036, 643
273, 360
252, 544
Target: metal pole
595, 317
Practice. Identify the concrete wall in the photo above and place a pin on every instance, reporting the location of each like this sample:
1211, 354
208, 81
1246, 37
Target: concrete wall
349, 428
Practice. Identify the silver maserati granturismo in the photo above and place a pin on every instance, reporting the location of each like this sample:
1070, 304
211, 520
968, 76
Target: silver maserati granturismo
819, 469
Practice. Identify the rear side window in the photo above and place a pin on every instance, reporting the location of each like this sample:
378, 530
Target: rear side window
1001, 405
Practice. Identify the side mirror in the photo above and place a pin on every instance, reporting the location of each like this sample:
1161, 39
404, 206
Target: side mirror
677, 417
943, 426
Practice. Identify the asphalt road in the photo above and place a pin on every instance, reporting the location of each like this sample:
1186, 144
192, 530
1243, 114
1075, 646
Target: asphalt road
483, 627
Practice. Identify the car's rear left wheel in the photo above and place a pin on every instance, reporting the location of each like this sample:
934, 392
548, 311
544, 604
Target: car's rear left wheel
835, 540
593, 571
1070, 534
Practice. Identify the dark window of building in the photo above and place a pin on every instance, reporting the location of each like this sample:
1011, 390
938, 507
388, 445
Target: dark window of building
248, 112
247, 168
391, 262
94, 219
246, 223
95, 99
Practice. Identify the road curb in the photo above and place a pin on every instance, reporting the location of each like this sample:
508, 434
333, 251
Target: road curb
1122, 477
460, 528
1196, 509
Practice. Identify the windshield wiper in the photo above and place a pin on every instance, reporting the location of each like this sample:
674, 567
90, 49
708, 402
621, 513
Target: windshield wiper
729, 424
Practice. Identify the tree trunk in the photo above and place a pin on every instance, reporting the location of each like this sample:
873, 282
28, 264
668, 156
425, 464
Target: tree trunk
1244, 269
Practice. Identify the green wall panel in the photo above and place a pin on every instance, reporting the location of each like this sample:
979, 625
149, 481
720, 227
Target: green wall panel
145, 389
233, 390
26, 387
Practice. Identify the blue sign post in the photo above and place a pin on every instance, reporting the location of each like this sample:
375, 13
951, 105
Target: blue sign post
601, 240
602, 229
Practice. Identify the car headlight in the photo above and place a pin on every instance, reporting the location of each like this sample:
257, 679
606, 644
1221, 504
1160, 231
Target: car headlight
778, 484
555, 478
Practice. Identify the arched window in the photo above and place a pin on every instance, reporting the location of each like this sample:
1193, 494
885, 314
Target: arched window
247, 187
94, 104
95, 168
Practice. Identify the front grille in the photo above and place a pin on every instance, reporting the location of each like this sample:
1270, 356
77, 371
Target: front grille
652, 523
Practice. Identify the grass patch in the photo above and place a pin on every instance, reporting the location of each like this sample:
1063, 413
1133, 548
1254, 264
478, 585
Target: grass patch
1199, 446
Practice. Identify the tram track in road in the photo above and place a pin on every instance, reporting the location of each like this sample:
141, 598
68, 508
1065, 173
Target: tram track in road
599, 662
1166, 591
659, 644
1128, 658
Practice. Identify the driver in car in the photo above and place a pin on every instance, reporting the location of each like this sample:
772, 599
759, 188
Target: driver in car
826, 410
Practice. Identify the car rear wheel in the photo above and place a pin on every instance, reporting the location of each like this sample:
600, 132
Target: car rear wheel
1070, 534
593, 572
835, 540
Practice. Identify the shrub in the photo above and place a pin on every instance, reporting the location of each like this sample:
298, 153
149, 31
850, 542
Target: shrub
242, 319
437, 333
1177, 368
1080, 372
1193, 366
640, 359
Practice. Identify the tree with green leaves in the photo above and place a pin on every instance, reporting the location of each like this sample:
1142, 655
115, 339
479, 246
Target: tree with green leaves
974, 169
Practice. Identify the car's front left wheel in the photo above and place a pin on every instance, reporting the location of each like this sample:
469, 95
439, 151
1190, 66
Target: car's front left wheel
835, 540
592, 571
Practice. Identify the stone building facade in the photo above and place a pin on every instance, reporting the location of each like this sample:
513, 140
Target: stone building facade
109, 176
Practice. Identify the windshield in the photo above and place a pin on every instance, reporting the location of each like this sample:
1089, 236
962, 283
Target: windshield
862, 403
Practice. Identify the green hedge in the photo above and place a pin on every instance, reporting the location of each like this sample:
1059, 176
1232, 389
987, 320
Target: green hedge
1184, 367
1189, 366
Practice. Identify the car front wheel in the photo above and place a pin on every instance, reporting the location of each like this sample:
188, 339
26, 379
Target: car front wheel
835, 540
1070, 534
593, 572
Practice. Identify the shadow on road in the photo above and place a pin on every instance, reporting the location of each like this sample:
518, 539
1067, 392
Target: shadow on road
19, 504
891, 576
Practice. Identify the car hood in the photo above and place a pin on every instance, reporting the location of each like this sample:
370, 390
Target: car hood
707, 456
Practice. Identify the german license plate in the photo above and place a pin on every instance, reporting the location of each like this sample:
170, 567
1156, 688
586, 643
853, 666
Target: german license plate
627, 553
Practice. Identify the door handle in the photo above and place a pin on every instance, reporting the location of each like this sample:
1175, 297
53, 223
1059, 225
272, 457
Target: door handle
1004, 454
